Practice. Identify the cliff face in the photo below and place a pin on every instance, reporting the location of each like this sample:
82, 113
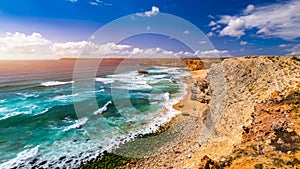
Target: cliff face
272, 140
248, 81
191, 64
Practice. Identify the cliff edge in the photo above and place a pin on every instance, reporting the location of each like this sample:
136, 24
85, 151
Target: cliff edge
250, 81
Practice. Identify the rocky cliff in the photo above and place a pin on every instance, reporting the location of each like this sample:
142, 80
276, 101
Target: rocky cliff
248, 81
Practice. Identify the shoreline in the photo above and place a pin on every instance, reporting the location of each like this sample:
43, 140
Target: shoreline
192, 112
189, 110
187, 104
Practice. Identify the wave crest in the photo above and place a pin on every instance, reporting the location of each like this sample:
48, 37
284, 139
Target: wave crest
55, 83
102, 109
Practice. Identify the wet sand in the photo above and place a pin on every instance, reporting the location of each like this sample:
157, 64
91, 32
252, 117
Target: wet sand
188, 105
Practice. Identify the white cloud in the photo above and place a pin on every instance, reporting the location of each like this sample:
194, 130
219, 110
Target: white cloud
211, 17
186, 32
22, 46
225, 19
151, 53
154, 11
99, 2
14, 43
89, 49
243, 43
216, 27
281, 20
20, 40
212, 53
212, 23
295, 50
234, 28
72, 0
249, 9
69, 48
210, 34
161, 53
94, 3
35, 46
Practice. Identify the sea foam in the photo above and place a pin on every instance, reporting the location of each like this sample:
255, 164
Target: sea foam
55, 83
105, 80
22, 158
6, 116
78, 123
102, 109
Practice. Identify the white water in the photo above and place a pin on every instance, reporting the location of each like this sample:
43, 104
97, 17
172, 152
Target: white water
102, 109
55, 83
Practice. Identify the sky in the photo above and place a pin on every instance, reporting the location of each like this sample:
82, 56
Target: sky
53, 29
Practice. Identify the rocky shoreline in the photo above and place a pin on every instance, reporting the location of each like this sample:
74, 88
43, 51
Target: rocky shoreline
251, 121
168, 135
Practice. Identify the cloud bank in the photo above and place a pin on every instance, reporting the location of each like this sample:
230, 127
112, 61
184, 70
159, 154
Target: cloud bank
22, 46
281, 20
19, 43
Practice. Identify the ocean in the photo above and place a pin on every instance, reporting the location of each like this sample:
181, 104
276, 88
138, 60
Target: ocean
39, 125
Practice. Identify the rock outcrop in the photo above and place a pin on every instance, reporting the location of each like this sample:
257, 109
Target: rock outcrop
248, 81
201, 91
272, 140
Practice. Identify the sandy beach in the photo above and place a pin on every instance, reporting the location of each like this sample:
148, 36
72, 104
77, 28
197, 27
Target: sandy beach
188, 105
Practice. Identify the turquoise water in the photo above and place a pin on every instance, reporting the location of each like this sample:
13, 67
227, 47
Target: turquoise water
40, 127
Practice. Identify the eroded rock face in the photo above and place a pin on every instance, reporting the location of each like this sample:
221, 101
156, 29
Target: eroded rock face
201, 91
273, 135
249, 80
193, 64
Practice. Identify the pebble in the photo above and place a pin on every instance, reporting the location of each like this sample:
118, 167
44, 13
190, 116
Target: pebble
42, 163
268, 142
69, 161
33, 161
279, 141
223, 159
289, 130
62, 158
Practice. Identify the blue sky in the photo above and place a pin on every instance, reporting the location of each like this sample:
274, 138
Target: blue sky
235, 28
